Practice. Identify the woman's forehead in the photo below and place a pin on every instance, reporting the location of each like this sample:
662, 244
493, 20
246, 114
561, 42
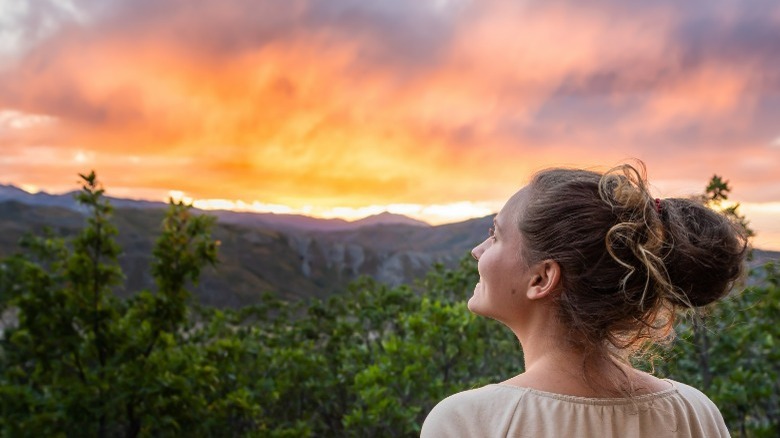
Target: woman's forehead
514, 207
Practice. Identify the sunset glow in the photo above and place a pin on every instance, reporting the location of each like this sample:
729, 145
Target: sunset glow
437, 110
433, 214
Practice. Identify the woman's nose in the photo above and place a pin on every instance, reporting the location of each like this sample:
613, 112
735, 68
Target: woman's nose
477, 251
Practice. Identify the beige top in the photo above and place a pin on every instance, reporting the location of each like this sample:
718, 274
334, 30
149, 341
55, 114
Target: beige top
503, 410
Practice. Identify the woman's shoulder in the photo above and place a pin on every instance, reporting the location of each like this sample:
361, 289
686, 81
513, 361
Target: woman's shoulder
467, 413
695, 398
479, 396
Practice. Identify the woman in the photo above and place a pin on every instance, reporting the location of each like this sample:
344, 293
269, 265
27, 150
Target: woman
587, 270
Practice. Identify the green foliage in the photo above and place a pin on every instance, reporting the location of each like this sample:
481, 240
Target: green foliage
370, 361
79, 361
742, 371
716, 193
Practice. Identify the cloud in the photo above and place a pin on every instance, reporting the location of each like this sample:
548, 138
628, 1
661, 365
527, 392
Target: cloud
12, 119
354, 103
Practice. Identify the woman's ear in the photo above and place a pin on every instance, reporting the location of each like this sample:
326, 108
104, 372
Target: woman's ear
545, 279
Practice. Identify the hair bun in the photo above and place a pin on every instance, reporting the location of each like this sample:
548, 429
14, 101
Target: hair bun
705, 252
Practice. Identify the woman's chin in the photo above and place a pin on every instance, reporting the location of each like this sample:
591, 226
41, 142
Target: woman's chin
473, 304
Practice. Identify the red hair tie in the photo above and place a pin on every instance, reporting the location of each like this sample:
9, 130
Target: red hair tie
658, 205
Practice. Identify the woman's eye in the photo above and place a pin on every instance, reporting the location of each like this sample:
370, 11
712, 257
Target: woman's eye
492, 233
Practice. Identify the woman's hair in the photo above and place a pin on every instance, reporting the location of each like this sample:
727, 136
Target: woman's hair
626, 259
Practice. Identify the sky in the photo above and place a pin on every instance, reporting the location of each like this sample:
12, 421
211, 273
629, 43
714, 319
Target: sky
438, 109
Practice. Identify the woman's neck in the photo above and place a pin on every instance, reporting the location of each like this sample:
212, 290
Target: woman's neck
552, 364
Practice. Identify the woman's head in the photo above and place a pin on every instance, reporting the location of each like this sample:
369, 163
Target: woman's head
624, 259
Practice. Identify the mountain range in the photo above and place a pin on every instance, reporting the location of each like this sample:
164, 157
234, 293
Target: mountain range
274, 220
293, 256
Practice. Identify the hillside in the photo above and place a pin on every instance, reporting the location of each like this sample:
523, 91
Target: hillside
294, 263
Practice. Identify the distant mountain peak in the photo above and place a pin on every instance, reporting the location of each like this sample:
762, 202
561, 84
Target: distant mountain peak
10, 189
387, 218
